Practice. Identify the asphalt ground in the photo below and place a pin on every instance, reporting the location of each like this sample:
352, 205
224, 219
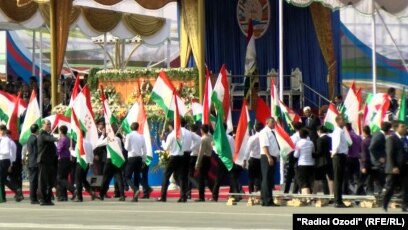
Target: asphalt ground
150, 214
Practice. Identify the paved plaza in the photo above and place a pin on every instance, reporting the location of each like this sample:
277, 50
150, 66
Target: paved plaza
149, 214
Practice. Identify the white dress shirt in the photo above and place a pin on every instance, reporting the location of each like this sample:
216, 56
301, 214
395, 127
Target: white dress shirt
268, 139
253, 148
296, 137
103, 141
135, 144
304, 150
186, 139
6, 149
339, 142
89, 156
195, 145
171, 145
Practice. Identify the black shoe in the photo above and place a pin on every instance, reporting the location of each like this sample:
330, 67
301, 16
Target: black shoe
404, 209
93, 196
62, 199
385, 209
17, 199
136, 196
78, 200
214, 199
200, 200
269, 204
35, 202
47, 203
74, 195
116, 195
161, 199
100, 197
122, 198
182, 200
146, 195
340, 205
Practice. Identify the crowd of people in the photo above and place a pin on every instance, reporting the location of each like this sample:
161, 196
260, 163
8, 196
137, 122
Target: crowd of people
322, 160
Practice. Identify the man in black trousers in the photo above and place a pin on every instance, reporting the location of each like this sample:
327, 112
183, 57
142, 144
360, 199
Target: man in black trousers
339, 155
377, 155
269, 155
47, 155
323, 162
32, 149
396, 166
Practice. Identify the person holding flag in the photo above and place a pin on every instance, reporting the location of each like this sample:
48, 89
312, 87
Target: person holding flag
175, 165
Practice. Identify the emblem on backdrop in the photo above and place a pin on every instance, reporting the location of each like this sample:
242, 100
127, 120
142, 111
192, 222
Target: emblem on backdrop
257, 10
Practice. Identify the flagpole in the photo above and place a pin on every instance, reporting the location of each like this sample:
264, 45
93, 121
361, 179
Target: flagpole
374, 50
281, 70
40, 76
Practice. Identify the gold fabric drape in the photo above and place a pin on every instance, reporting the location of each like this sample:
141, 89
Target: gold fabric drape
148, 4
18, 13
323, 27
60, 21
101, 20
143, 25
193, 20
108, 2
185, 48
45, 13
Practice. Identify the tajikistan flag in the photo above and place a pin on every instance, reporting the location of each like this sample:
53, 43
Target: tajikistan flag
250, 58
218, 98
330, 122
33, 116
137, 114
113, 147
79, 148
286, 144
82, 110
379, 116
275, 104
197, 110
291, 117
352, 104
162, 95
207, 98
222, 95
74, 94
242, 135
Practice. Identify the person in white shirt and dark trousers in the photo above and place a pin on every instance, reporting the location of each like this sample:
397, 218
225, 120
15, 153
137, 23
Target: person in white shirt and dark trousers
339, 156
81, 173
195, 148
253, 160
304, 152
175, 165
6, 158
136, 147
269, 156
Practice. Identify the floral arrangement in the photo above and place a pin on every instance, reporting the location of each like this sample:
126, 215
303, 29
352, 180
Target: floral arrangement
182, 74
164, 157
59, 109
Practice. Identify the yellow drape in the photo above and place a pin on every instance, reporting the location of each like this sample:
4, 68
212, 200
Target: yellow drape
60, 21
323, 27
185, 48
143, 25
101, 20
193, 20
18, 11
45, 13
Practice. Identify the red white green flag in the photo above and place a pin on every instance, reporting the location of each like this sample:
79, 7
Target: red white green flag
207, 98
13, 123
113, 147
33, 116
291, 117
221, 93
242, 135
286, 144
275, 104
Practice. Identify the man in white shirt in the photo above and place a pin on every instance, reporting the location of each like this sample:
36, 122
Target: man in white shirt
253, 160
81, 173
187, 144
339, 156
269, 156
6, 158
195, 148
110, 170
175, 164
136, 147
14, 174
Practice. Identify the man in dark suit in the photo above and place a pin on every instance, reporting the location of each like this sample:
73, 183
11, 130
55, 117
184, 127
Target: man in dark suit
46, 107
311, 122
377, 155
396, 167
47, 154
32, 149
323, 161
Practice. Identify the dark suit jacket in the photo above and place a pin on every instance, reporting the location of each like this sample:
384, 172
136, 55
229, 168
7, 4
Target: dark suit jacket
32, 148
365, 157
47, 151
322, 155
396, 154
312, 127
377, 149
